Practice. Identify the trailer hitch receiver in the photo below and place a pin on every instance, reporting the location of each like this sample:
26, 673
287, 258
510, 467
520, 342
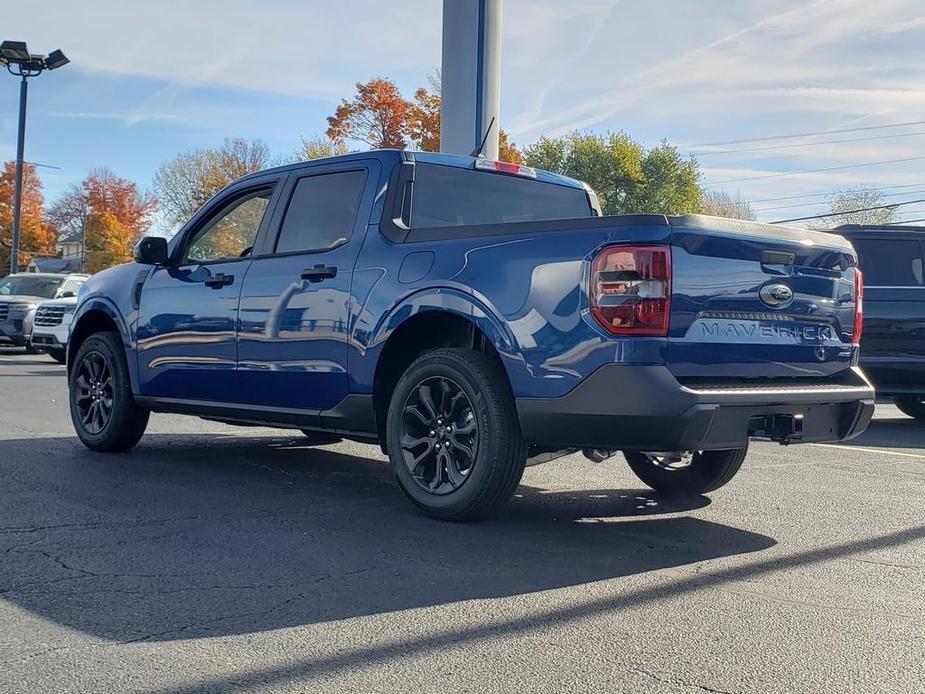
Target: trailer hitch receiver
783, 428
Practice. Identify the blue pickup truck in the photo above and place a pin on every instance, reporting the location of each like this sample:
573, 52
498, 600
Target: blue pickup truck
472, 317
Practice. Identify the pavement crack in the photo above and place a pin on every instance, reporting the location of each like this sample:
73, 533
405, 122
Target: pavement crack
670, 679
895, 565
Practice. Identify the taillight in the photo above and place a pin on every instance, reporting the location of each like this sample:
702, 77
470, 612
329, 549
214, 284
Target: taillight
858, 306
631, 289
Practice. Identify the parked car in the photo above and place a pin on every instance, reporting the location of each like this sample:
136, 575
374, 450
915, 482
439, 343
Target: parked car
50, 326
469, 315
22, 292
893, 346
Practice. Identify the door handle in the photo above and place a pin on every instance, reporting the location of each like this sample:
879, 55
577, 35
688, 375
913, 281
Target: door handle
219, 280
318, 273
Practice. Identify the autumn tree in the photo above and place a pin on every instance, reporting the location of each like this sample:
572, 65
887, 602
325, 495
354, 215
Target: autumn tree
424, 116
507, 150
36, 237
185, 183
424, 124
853, 206
719, 203
626, 176
105, 241
318, 147
102, 191
376, 115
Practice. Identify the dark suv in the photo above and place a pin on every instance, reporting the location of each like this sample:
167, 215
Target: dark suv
892, 259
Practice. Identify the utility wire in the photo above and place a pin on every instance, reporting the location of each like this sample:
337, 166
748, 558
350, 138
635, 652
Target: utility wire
803, 144
808, 134
833, 192
806, 171
820, 202
847, 212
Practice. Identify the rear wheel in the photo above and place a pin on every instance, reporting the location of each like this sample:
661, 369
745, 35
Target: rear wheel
911, 405
453, 435
696, 473
103, 409
59, 355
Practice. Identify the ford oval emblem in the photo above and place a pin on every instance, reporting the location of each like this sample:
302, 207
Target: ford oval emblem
775, 295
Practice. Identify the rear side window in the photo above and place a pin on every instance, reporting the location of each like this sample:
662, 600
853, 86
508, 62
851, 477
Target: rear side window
890, 262
448, 196
321, 212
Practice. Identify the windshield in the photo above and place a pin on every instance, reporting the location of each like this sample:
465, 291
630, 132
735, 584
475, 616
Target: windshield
21, 285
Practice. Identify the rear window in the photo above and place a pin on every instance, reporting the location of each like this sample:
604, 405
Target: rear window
322, 212
447, 196
890, 262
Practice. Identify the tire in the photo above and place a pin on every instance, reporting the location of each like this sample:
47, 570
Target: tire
911, 405
707, 471
121, 426
447, 482
59, 355
320, 438
30, 349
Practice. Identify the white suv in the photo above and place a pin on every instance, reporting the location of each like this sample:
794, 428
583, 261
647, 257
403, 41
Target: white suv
51, 325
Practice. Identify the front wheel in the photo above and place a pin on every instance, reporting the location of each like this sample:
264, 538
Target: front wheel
911, 405
103, 409
453, 435
695, 473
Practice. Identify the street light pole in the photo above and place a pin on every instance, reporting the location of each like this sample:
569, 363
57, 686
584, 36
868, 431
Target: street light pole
17, 195
19, 62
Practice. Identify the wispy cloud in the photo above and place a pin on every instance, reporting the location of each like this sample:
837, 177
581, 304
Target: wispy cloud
124, 118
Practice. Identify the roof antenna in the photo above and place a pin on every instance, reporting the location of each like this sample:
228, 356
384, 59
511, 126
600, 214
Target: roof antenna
478, 152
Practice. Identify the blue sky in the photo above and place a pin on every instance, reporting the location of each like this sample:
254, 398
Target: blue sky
149, 80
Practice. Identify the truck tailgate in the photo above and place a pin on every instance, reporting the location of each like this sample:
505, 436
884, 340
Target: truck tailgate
756, 301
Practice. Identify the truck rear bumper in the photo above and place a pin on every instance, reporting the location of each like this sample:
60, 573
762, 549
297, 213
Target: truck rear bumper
643, 407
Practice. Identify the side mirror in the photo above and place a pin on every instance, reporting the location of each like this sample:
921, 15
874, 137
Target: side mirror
152, 250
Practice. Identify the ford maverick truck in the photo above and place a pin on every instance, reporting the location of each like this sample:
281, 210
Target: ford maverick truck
472, 317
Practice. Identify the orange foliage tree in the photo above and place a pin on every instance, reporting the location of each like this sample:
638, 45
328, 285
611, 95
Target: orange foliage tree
377, 115
105, 241
36, 237
100, 194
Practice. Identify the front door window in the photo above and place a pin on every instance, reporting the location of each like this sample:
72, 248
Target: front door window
231, 234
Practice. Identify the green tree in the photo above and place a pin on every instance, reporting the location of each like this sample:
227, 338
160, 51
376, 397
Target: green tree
626, 177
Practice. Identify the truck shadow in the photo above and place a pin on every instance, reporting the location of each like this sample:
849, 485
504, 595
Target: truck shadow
201, 535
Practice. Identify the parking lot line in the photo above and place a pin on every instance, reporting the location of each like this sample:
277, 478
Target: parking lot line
870, 450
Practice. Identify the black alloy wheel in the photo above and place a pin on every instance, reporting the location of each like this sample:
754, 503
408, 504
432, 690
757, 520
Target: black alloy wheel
439, 435
94, 392
103, 409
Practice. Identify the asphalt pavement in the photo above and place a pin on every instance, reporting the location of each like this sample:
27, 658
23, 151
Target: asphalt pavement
213, 558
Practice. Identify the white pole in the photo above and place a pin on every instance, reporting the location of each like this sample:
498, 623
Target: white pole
471, 76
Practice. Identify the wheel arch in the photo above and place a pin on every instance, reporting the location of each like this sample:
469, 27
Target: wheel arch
96, 315
430, 321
